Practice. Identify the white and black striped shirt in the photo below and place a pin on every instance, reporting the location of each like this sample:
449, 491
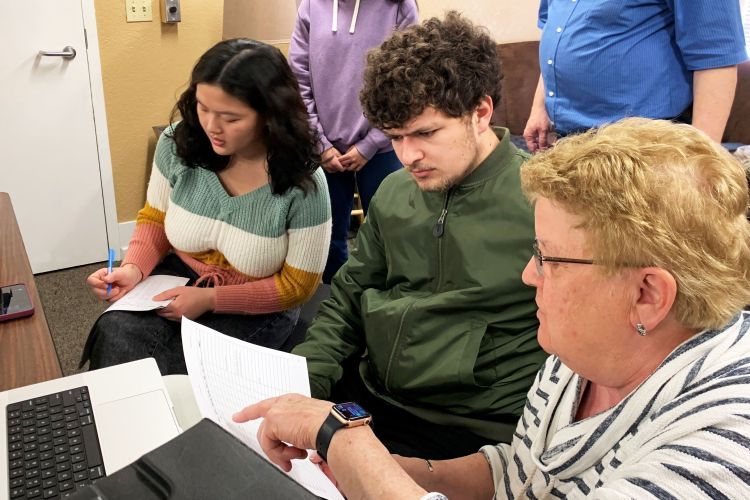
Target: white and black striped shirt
683, 433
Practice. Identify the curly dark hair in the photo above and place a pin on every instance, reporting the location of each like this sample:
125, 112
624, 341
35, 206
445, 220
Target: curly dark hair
448, 64
258, 75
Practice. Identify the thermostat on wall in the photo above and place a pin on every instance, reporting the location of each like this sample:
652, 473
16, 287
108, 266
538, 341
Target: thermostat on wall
170, 11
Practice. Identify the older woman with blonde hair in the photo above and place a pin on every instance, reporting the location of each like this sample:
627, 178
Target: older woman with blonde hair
642, 268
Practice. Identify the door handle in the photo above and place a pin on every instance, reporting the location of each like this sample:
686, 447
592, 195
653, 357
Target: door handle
67, 53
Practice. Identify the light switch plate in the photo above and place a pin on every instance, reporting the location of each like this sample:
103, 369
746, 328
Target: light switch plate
137, 11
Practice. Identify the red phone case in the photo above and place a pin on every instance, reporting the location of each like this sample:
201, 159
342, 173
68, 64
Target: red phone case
19, 314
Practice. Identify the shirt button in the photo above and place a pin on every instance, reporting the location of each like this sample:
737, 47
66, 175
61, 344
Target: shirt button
551, 94
549, 61
559, 29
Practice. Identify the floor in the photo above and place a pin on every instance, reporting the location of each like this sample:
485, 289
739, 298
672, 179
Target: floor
70, 309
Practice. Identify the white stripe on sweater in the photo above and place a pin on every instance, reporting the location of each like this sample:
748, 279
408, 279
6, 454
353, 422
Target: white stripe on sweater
252, 255
157, 194
683, 433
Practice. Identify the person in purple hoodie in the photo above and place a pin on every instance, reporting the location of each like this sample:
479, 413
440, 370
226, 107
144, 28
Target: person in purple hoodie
327, 54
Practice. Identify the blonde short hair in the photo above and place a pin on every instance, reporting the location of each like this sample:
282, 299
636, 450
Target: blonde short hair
655, 193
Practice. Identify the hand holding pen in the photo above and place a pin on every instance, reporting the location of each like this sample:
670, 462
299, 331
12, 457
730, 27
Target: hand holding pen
110, 283
110, 261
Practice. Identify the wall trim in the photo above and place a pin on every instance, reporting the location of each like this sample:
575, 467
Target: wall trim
125, 231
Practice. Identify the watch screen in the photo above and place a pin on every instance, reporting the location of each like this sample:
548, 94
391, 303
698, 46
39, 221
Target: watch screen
351, 411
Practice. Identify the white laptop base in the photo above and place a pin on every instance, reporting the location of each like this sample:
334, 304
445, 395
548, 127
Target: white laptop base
132, 411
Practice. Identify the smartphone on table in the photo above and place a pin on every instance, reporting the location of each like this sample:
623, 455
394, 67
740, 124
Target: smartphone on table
15, 302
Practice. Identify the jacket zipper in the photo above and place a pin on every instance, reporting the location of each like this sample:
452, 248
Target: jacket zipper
386, 383
438, 232
439, 228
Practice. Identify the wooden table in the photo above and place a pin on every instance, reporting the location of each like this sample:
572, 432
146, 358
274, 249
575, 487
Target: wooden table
27, 354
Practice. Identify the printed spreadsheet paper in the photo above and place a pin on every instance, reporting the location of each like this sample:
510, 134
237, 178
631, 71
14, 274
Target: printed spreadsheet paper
228, 374
139, 298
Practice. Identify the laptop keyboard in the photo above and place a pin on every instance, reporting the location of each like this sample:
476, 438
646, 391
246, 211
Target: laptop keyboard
53, 447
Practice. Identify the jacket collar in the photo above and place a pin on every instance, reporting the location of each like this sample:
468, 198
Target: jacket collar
495, 162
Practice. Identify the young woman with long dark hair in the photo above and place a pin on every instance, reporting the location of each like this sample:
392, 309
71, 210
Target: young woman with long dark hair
236, 202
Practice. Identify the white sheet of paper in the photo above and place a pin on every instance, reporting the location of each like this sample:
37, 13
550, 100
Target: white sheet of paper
228, 374
139, 298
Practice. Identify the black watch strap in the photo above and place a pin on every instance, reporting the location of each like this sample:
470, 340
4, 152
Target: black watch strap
325, 434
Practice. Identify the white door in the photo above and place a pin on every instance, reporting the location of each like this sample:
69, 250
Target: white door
48, 144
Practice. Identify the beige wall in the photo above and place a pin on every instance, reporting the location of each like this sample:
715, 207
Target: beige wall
144, 68
259, 19
507, 20
271, 22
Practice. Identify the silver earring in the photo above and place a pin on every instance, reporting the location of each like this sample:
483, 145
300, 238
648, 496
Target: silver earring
640, 329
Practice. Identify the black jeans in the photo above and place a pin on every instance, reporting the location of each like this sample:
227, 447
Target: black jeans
122, 336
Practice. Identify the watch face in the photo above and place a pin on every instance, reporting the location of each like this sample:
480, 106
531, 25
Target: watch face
351, 411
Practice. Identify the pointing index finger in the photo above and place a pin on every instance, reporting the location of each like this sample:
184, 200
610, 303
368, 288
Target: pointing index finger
255, 411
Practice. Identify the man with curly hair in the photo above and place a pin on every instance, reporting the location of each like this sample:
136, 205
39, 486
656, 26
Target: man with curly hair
430, 311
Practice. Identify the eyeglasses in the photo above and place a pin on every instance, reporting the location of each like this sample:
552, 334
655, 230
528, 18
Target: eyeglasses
540, 259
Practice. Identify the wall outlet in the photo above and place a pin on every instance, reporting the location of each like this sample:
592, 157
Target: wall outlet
137, 11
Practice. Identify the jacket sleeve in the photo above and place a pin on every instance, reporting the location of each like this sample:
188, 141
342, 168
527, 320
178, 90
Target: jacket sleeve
337, 333
299, 61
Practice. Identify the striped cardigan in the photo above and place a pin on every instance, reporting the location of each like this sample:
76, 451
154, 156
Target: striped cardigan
683, 433
264, 253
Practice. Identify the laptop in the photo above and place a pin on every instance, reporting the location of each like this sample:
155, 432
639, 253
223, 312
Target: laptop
128, 405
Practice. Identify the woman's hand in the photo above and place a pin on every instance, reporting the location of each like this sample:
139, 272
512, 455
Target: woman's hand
290, 425
352, 161
329, 160
122, 279
189, 301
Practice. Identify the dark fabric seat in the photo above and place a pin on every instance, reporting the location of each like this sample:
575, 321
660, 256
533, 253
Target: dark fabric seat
306, 315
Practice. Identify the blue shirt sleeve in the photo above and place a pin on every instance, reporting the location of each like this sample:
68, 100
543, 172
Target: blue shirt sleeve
542, 19
708, 33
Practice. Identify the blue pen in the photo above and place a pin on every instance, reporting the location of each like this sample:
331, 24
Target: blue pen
110, 261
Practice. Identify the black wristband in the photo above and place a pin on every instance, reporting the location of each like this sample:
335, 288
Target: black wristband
325, 434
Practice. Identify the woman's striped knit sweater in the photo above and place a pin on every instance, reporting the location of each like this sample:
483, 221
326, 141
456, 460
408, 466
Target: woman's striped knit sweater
683, 433
264, 253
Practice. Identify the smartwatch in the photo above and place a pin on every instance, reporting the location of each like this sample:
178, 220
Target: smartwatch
342, 416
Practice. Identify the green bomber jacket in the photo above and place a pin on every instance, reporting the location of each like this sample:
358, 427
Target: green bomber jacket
432, 299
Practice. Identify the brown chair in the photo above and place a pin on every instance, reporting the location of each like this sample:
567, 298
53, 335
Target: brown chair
357, 210
520, 66
306, 316
738, 125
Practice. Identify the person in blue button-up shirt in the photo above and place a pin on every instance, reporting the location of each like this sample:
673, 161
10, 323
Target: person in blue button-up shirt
603, 60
